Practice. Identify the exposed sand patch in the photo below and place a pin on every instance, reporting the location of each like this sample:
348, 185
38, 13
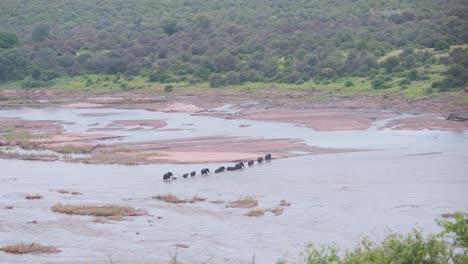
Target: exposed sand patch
320, 119
181, 107
82, 105
432, 122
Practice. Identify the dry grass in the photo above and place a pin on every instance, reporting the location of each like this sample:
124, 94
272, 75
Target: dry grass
171, 198
100, 220
285, 203
277, 210
255, 213
196, 199
33, 197
181, 246
26, 249
70, 192
246, 202
105, 210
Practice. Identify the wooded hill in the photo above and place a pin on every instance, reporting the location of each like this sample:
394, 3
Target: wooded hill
226, 42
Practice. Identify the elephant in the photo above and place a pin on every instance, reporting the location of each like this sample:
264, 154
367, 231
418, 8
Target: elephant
192, 174
259, 160
220, 169
268, 157
185, 175
168, 176
205, 171
251, 163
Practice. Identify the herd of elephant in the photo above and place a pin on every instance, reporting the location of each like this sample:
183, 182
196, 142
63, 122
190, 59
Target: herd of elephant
239, 166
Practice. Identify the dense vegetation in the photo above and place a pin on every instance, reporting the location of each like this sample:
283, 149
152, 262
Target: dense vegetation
451, 246
232, 42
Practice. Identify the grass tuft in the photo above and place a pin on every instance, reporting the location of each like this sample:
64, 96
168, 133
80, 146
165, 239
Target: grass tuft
33, 197
29, 248
246, 202
277, 211
171, 198
105, 210
255, 213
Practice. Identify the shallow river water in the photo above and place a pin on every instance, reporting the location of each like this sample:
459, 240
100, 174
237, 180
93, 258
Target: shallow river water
408, 179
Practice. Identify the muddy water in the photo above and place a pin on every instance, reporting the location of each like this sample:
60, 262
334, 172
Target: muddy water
406, 182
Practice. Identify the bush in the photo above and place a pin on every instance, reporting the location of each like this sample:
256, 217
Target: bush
349, 83
378, 83
413, 75
169, 88
31, 83
401, 249
124, 86
396, 248
457, 230
216, 80
441, 45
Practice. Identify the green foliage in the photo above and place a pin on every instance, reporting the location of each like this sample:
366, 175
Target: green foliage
401, 249
457, 72
349, 83
441, 45
8, 40
456, 230
40, 32
170, 27
169, 88
378, 83
252, 41
322, 255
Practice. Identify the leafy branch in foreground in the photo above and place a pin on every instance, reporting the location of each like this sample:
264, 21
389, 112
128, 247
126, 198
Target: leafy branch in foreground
398, 248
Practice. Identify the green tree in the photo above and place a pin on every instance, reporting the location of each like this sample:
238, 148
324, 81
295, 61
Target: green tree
170, 27
441, 45
390, 63
8, 40
40, 32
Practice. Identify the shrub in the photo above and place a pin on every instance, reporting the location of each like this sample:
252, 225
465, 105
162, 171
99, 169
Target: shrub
349, 83
405, 82
216, 80
441, 45
378, 83
404, 249
458, 229
169, 88
413, 75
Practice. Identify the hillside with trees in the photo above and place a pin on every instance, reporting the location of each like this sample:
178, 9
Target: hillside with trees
386, 43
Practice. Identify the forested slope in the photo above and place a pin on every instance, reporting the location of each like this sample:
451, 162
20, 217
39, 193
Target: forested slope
227, 42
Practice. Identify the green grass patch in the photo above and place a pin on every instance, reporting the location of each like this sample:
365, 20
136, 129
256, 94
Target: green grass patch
70, 149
